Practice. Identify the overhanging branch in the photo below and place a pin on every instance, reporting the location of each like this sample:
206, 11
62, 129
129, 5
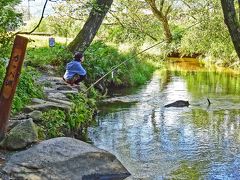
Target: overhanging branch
44, 7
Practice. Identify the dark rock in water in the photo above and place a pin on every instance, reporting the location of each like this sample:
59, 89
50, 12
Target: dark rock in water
179, 103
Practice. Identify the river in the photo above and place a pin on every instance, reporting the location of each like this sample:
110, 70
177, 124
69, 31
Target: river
195, 142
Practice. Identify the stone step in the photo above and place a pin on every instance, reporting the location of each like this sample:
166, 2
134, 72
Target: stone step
57, 95
68, 103
47, 106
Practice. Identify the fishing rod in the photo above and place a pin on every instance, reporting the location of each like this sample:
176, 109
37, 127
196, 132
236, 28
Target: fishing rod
116, 66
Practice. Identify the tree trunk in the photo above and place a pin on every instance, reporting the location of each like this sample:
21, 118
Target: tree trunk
162, 17
84, 38
231, 20
166, 28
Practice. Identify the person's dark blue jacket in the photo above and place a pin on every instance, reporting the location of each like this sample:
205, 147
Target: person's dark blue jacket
73, 68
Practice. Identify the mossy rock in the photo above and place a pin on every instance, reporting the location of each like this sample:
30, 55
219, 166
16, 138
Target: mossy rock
21, 136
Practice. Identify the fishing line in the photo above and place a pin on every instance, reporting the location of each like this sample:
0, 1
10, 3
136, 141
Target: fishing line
116, 66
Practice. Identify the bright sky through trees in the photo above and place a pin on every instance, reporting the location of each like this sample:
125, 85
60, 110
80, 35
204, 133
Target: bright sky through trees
34, 7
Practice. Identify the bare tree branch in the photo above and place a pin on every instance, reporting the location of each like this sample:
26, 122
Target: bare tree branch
185, 3
118, 20
138, 28
44, 7
169, 9
161, 5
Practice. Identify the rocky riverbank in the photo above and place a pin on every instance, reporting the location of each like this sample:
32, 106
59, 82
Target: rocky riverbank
24, 156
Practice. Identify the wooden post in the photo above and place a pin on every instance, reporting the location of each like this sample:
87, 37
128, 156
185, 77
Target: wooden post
10, 81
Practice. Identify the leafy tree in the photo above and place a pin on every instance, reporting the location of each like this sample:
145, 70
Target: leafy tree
162, 11
90, 28
130, 21
205, 32
9, 20
231, 18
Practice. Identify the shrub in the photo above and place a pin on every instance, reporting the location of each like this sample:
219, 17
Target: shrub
54, 123
101, 58
26, 89
42, 56
74, 123
9, 20
81, 114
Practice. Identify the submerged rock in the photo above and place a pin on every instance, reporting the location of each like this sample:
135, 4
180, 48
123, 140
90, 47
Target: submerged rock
64, 158
179, 103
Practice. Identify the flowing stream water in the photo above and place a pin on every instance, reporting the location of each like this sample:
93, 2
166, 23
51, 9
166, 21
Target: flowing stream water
195, 142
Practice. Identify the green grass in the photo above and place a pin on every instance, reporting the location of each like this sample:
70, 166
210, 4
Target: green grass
42, 56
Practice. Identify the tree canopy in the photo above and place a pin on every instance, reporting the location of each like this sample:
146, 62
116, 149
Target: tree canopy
187, 27
9, 20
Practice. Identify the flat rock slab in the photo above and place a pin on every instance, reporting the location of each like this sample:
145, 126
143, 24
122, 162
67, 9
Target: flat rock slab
38, 101
68, 103
46, 106
64, 87
57, 95
53, 79
69, 92
64, 158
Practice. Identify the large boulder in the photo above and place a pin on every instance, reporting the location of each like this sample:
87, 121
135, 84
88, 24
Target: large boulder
64, 158
21, 136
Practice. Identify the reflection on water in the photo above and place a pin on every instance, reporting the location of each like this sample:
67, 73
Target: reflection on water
195, 142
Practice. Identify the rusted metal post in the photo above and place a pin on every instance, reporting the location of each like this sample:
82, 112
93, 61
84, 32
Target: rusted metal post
10, 81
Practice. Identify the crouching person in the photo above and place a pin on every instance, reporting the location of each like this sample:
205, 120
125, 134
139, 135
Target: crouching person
75, 73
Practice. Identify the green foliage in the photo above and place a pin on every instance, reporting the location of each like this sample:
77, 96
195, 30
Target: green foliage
81, 112
209, 36
74, 123
39, 57
58, 25
26, 89
178, 32
54, 123
101, 58
9, 20
130, 23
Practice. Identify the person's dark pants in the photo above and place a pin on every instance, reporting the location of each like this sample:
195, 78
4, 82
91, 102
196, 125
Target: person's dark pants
76, 79
79, 79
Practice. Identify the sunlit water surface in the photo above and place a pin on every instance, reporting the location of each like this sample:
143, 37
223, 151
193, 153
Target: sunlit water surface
195, 142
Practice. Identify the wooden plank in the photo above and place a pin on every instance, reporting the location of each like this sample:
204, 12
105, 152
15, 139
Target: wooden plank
11, 81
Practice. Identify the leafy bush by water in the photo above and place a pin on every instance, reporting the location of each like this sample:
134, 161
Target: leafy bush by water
81, 115
53, 123
74, 123
101, 58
